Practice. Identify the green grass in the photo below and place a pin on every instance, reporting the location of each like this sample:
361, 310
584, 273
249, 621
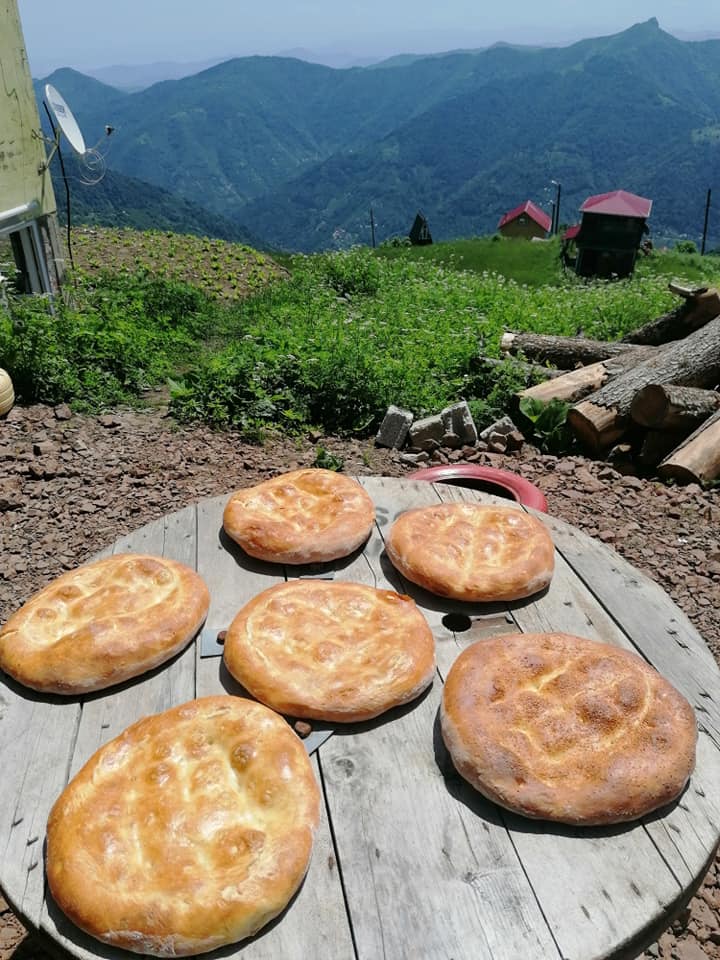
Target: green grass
538, 263
525, 262
346, 335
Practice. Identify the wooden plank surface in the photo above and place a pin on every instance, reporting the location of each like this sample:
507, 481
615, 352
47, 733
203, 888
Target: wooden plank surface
657, 627
106, 714
316, 922
428, 867
669, 851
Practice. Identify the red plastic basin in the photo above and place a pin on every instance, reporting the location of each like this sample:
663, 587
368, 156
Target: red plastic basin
485, 478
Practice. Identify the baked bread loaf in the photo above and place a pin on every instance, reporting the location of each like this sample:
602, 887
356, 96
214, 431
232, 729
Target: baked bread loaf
330, 650
103, 623
305, 516
561, 728
189, 831
472, 552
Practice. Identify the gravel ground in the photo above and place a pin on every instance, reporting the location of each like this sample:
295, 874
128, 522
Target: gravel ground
70, 484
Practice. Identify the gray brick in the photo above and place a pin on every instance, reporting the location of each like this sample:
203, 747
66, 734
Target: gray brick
394, 428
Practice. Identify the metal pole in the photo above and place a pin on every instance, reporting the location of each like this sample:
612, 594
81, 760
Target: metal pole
705, 225
557, 209
372, 227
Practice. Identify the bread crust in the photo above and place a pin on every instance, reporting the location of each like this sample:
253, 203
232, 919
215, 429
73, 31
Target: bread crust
562, 728
189, 831
472, 552
331, 650
304, 516
103, 623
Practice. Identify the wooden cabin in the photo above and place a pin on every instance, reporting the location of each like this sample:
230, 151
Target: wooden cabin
526, 221
610, 234
420, 235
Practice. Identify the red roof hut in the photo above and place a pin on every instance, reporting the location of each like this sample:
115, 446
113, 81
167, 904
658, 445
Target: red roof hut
610, 233
526, 221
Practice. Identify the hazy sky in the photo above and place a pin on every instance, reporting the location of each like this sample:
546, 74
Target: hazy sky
93, 33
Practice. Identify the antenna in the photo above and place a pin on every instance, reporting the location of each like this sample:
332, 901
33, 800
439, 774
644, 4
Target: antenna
90, 158
65, 119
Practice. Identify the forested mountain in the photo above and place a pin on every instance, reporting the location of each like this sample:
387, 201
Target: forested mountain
120, 201
299, 152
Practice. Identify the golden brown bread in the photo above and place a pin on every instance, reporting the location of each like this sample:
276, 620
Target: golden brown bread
305, 516
103, 623
331, 650
472, 552
190, 830
562, 728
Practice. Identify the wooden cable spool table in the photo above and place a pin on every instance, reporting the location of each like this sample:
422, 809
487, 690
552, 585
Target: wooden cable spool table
409, 861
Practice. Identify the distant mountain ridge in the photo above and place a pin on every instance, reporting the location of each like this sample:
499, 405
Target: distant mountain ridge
299, 152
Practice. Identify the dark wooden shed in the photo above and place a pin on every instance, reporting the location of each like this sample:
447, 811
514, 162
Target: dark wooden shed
610, 234
420, 231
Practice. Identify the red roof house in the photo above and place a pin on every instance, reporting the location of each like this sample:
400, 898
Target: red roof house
618, 203
527, 221
610, 233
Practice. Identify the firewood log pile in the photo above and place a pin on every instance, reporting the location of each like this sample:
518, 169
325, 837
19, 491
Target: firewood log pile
657, 389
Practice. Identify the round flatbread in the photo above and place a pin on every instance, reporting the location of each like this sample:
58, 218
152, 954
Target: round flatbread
562, 728
305, 516
189, 831
472, 552
103, 623
331, 650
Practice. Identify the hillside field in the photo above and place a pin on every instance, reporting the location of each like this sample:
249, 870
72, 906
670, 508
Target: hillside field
323, 342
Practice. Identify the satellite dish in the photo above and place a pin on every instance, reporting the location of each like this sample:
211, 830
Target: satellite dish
65, 119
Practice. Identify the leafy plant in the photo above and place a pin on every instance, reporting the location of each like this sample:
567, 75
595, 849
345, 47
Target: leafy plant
548, 423
326, 460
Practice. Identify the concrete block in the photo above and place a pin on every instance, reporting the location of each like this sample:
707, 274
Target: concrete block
394, 428
427, 433
458, 419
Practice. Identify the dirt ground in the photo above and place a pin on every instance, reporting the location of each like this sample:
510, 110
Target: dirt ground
71, 484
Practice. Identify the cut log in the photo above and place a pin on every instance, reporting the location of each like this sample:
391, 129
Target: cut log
691, 315
697, 459
563, 352
682, 290
673, 407
576, 384
694, 361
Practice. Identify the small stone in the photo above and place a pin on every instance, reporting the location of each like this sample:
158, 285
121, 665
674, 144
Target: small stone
504, 426
414, 458
634, 483
63, 412
514, 440
302, 728
689, 950
108, 420
451, 440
